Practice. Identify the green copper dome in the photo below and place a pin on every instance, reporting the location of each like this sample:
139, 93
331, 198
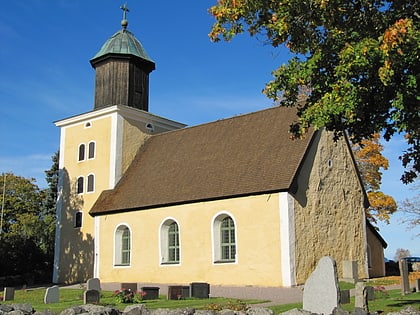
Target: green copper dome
123, 42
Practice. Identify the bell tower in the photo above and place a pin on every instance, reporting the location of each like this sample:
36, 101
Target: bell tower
98, 146
122, 71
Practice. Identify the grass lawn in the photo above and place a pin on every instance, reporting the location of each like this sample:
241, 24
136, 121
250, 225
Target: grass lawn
71, 297
391, 302
385, 301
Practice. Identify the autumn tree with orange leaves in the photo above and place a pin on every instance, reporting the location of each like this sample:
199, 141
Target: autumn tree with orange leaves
359, 60
370, 161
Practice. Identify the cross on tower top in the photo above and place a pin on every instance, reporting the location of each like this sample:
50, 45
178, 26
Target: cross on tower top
124, 22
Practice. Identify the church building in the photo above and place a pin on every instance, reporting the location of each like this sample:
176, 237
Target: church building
145, 199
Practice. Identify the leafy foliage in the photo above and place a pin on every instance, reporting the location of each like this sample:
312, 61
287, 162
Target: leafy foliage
22, 228
28, 226
49, 207
357, 61
370, 161
128, 296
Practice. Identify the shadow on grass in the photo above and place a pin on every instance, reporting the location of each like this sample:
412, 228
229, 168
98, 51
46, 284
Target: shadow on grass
402, 303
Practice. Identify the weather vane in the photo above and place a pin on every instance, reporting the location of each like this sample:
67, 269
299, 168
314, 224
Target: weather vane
124, 22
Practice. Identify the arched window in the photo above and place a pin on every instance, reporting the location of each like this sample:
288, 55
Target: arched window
224, 236
91, 151
91, 183
170, 246
122, 246
82, 149
79, 185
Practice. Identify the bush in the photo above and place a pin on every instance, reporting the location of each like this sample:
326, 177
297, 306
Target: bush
128, 296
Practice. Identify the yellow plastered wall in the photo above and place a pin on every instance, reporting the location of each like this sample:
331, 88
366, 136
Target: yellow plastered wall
118, 133
76, 244
258, 260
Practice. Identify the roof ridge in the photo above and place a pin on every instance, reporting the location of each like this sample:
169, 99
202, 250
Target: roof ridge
237, 116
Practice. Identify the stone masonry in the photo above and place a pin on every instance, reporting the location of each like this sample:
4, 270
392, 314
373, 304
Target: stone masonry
339, 223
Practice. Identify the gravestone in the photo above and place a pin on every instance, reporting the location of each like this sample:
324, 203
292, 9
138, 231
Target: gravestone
321, 293
93, 284
350, 273
200, 290
370, 292
417, 284
361, 298
91, 297
150, 293
405, 283
52, 295
9, 294
344, 296
177, 292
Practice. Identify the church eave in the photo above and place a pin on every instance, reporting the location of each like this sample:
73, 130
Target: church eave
183, 202
146, 64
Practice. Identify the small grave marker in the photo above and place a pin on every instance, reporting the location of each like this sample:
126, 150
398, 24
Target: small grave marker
405, 283
370, 291
361, 297
9, 294
177, 292
350, 273
52, 295
344, 296
91, 297
93, 284
150, 293
200, 290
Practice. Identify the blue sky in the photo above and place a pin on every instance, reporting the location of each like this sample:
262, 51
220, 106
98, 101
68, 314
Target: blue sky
45, 76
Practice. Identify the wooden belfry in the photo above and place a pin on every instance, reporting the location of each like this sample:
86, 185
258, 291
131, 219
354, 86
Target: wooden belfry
122, 70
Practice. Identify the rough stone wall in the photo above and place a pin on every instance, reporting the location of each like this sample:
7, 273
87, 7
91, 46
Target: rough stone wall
329, 213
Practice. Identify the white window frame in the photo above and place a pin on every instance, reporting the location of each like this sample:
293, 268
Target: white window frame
164, 242
93, 184
216, 236
80, 151
118, 251
82, 190
88, 150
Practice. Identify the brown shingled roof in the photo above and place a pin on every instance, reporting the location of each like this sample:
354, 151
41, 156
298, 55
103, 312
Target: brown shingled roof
243, 155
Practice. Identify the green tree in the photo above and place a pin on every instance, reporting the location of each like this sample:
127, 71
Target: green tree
28, 225
48, 212
22, 227
21, 205
356, 61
